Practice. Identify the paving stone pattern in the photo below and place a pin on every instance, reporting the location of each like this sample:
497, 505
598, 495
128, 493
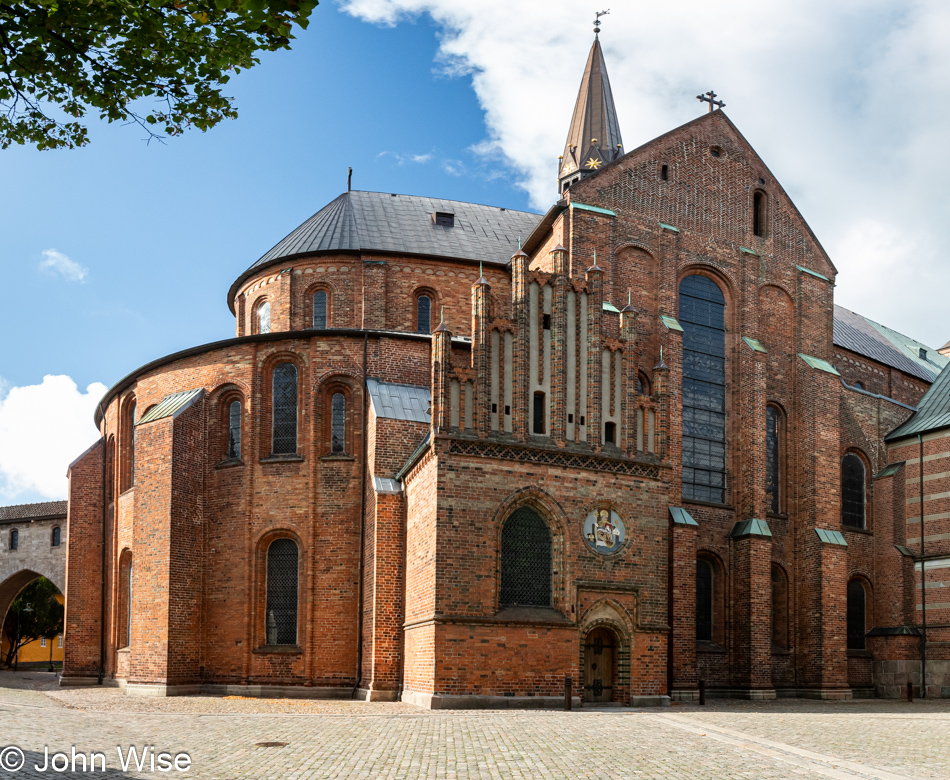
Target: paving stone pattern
342, 739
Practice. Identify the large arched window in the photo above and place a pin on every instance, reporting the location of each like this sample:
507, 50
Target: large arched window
779, 608
702, 314
525, 560
338, 423
853, 482
320, 309
423, 314
773, 459
284, 402
281, 615
263, 317
704, 600
234, 429
857, 615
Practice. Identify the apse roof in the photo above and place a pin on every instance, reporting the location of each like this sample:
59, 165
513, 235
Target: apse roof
385, 222
933, 411
38, 511
878, 342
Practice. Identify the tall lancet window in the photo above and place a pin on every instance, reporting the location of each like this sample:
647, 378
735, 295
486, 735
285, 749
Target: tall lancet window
423, 314
285, 409
773, 464
234, 429
263, 318
320, 309
702, 311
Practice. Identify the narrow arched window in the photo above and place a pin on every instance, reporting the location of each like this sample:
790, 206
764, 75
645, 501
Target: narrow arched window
525, 560
56, 538
857, 606
14, 539
423, 314
537, 416
704, 600
234, 429
263, 318
852, 491
125, 599
702, 312
773, 459
320, 309
338, 423
643, 384
282, 560
779, 608
758, 213
285, 409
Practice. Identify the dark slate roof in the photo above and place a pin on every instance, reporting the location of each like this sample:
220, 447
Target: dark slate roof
39, 511
933, 411
880, 343
399, 402
384, 222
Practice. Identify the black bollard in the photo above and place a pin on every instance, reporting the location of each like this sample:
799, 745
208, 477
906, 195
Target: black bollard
910, 691
702, 693
568, 692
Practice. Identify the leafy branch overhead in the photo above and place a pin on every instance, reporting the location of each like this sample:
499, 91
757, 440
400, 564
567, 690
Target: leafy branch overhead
60, 59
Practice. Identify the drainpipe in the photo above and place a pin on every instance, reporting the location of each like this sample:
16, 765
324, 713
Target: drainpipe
359, 600
102, 587
923, 579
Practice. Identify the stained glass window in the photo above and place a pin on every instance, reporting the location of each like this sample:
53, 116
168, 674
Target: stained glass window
285, 409
704, 600
320, 309
423, 314
234, 429
338, 423
525, 560
263, 318
852, 491
772, 455
856, 615
702, 315
282, 592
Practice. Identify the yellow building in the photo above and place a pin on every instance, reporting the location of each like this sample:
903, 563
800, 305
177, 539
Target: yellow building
37, 651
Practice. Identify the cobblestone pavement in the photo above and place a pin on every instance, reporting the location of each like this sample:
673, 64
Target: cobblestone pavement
334, 739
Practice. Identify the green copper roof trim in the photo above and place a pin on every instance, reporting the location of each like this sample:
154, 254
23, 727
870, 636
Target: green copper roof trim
595, 209
749, 251
671, 323
831, 537
609, 307
889, 471
813, 273
907, 553
681, 517
669, 227
757, 346
821, 365
751, 527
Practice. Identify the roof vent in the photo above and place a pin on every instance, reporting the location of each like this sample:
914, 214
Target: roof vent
922, 353
443, 218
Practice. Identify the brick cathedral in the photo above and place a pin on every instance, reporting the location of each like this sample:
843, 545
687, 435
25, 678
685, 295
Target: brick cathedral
641, 449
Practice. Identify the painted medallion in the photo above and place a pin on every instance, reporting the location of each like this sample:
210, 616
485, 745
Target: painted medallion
604, 531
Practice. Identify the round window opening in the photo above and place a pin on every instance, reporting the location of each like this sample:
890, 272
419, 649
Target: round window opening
716, 151
604, 531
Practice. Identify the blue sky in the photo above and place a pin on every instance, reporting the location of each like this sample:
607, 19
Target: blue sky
123, 251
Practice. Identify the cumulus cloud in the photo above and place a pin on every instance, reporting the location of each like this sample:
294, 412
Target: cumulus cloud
43, 428
56, 263
840, 99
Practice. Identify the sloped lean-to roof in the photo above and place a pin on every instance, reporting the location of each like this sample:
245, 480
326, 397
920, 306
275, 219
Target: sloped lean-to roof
884, 345
933, 411
399, 402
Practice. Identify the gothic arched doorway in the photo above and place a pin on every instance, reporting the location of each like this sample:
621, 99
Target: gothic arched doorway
601, 650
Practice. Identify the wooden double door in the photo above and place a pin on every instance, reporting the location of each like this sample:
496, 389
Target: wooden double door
600, 663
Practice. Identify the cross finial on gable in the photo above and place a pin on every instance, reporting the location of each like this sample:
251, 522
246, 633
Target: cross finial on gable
710, 97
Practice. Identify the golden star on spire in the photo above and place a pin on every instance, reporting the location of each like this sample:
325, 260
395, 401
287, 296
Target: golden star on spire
593, 163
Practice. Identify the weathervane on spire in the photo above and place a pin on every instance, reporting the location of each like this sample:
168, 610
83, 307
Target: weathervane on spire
597, 20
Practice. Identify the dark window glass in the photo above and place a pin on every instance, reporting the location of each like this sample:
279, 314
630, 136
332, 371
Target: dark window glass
56, 537
704, 600
320, 309
758, 214
610, 433
852, 491
664, 173
282, 592
858, 386
234, 429
702, 315
525, 560
285, 409
538, 418
856, 615
772, 455
132, 446
14, 539
423, 314
338, 423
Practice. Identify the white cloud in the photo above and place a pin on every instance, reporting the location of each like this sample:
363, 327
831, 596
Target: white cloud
55, 262
840, 99
402, 159
43, 428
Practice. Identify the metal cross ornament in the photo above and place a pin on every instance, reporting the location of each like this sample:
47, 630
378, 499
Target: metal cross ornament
710, 97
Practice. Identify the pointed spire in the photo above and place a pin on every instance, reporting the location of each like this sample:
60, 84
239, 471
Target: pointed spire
629, 306
594, 139
442, 328
595, 267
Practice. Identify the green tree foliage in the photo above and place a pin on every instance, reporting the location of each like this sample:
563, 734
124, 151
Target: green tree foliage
62, 58
39, 615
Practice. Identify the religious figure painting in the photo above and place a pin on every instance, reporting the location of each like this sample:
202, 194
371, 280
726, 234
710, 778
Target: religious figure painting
604, 531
